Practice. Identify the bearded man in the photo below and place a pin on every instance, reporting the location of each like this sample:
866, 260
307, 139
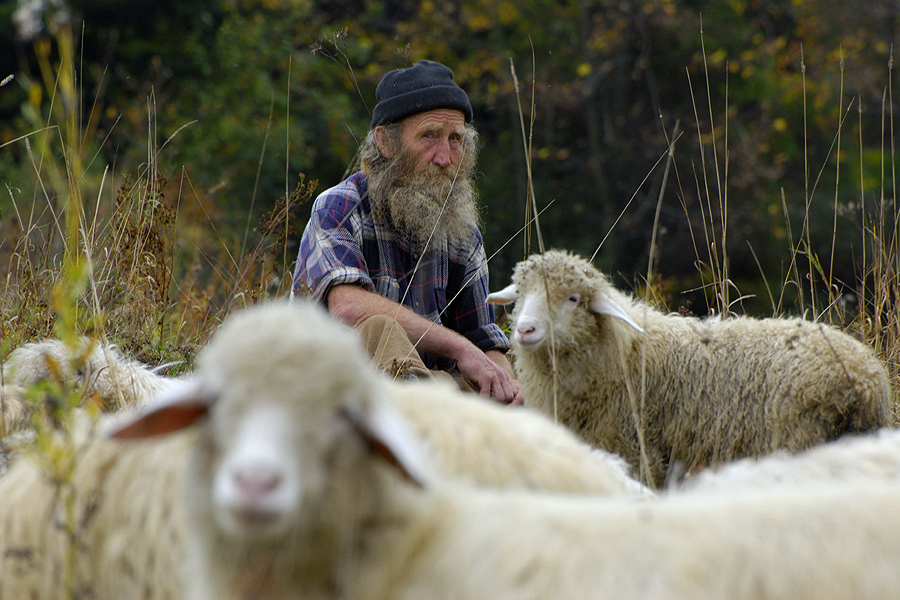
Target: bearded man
395, 250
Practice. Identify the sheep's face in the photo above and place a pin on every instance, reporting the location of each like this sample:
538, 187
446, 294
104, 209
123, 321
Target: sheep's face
296, 428
535, 318
557, 296
549, 291
256, 486
296, 436
277, 436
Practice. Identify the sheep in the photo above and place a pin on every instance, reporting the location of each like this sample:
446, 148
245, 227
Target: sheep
662, 389
847, 460
115, 530
117, 489
490, 445
89, 369
464, 435
14, 412
123, 492
98, 368
325, 494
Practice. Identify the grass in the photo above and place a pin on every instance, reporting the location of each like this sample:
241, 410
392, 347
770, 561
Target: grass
115, 263
874, 318
127, 265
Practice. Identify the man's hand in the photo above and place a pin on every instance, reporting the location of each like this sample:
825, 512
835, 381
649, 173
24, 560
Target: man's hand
491, 373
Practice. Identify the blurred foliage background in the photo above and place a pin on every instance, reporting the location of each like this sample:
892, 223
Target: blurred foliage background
784, 110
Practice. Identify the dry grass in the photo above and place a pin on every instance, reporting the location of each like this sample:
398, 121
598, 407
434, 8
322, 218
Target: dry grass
121, 265
871, 313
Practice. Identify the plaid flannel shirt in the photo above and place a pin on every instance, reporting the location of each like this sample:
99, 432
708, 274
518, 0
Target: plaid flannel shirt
344, 243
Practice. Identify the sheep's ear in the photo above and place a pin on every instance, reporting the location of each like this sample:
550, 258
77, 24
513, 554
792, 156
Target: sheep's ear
602, 304
179, 407
504, 296
388, 437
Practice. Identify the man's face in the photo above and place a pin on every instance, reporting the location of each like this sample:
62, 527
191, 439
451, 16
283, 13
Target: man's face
434, 136
426, 185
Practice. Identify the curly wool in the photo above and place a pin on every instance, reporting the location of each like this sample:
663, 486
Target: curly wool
704, 391
850, 460
97, 368
465, 436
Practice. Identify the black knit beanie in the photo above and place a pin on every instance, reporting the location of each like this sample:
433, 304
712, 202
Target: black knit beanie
424, 86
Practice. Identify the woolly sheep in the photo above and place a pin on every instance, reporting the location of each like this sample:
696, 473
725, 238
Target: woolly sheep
13, 409
490, 445
464, 435
851, 459
98, 368
121, 492
330, 497
695, 391
93, 370
126, 515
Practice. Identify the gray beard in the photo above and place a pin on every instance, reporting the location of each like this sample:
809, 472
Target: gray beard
428, 205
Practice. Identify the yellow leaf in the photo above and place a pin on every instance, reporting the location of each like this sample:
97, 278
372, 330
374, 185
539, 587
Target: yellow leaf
34, 95
479, 22
507, 12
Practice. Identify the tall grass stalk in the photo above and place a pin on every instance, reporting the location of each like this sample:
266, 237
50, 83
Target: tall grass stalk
54, 445
820, 295
715, 264
531, 210
878, 321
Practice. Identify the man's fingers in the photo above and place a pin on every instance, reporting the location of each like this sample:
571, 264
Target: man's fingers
506, 389
485, 386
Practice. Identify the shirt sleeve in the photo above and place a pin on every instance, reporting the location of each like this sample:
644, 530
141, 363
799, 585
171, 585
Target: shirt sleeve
474, 316
331, 247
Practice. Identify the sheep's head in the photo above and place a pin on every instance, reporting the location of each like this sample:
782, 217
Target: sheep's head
287, 398
554, 292
55, 360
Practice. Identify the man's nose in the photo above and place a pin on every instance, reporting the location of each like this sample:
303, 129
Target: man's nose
442, 154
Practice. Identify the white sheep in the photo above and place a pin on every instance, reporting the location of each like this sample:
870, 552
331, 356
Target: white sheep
468, 437
325, 494
120, 492
632, 380
116, 531
851, 459
98, 369
14, 409
464, 435
14, 415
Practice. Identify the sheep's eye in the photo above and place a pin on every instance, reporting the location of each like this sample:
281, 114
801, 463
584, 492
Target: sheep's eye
573, 299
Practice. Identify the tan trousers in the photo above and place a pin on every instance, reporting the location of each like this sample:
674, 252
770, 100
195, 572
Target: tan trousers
393, 352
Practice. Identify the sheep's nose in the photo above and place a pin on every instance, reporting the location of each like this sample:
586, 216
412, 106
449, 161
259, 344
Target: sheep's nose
528, 333
525, 329
256, 483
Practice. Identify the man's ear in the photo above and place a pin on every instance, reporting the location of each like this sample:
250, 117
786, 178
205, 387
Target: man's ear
383, 141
